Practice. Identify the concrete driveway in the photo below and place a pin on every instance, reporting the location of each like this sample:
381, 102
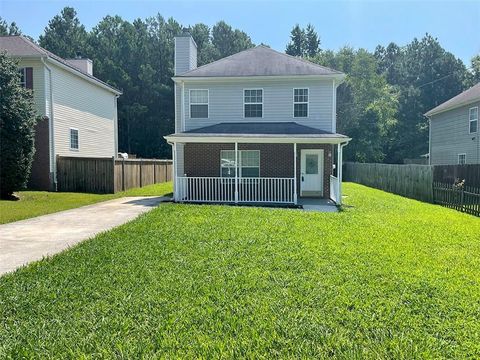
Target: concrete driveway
29, 240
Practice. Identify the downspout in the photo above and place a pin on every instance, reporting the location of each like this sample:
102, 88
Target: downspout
53, 160
340, 171
115, 115
429, 140
174, 170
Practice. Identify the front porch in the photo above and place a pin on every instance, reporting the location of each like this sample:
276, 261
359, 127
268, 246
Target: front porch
257, 168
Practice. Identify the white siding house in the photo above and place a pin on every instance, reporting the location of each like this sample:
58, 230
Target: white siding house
258, 126
83, 119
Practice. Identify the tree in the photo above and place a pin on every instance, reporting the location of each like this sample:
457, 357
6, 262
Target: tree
366, 104
312, 41
6, 29
227, 41
296, 46
17, 123
65, 36
475, 70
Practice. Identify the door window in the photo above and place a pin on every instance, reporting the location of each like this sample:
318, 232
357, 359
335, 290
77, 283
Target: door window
311, 164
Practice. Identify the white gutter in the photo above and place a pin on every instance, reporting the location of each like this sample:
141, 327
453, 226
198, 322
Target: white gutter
339, 77
52, 158
255, 139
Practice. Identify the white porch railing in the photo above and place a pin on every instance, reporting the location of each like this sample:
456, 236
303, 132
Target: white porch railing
222, 189
334, 190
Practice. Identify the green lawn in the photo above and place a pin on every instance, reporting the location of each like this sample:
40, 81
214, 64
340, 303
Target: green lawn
388, 277
35, 203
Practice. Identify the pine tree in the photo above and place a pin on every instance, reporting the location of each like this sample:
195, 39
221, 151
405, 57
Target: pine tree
312, 41
296, 46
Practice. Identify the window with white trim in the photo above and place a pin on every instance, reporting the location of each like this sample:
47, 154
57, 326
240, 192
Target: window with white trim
473, 119
462, 159
23, 77
253, 103
198, 104
300, 102
249, 163
74, 139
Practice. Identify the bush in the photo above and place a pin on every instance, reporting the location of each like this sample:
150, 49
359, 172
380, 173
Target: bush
17, 130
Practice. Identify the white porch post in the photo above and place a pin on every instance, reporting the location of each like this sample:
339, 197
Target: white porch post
295, 173
339, 173
236, 172
174, 158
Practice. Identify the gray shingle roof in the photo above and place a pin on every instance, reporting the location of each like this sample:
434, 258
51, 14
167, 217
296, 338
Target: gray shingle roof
259, 61
464, 98
260, 129
22, 47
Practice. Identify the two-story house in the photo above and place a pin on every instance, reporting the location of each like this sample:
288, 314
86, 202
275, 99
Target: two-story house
255, 127
454, 130
78, 111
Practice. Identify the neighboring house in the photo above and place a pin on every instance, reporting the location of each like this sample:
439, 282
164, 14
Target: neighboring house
83, 119
255, 127
454, 130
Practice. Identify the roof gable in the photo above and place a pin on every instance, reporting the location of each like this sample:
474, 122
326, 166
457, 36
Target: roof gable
464, 98
20, 46
259, 61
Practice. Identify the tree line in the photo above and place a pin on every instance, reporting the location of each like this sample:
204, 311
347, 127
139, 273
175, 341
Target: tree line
380, 105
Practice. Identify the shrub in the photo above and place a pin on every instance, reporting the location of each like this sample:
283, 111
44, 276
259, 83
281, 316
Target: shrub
17, 129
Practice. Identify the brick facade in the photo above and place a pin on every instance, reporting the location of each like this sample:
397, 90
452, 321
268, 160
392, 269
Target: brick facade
276, 160
40, 172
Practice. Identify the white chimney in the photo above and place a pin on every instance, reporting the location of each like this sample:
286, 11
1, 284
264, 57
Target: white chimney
185, 54
84, 65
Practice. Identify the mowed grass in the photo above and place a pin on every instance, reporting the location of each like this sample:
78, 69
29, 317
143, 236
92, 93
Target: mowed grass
35, 203
388, 277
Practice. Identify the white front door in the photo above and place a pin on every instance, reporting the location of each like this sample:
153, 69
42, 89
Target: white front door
311, 172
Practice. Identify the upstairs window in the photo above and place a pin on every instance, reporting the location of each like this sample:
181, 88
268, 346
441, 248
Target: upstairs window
462, 159
23, 77
253, 103
300, 102
73, 139
198, 104
473, 119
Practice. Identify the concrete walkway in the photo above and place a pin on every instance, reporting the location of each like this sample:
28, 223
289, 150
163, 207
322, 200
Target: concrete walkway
29, 240
317, 204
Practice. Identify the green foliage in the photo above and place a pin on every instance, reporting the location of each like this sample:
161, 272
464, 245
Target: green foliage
475, 70
303, 42
36, 203
17, 129
366, 104
6, 29
388, 278
425, 76
65, 36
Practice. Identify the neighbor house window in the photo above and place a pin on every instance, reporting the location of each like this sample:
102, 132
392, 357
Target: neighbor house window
300, 102
74, 139
249, 163
253, 103
198, 104
23, 77
462, 159
473, 117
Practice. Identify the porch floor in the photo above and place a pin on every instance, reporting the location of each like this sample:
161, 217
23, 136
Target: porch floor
317, 204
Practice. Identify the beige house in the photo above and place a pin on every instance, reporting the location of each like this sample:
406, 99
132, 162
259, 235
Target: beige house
79, 111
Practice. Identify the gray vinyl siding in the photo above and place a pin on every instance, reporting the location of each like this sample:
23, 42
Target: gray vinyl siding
226, 102
185, 55
449, 136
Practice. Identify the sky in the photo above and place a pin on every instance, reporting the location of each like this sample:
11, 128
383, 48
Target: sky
364, 24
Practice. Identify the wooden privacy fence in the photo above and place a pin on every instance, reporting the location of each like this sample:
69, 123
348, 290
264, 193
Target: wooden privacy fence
413, 181
423, 182
109, 175
450, 173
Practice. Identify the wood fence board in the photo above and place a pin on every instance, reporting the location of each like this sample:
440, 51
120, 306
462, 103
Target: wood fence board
106, 175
